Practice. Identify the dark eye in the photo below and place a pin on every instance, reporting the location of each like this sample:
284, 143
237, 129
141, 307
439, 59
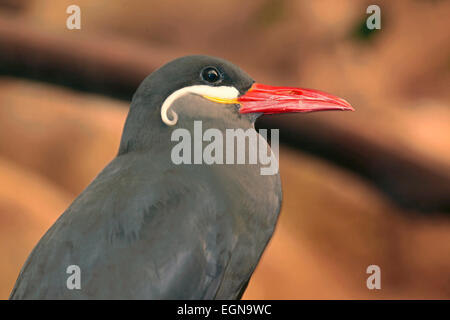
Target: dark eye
211, 75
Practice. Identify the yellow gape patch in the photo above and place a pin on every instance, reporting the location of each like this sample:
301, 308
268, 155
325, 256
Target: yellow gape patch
222, 100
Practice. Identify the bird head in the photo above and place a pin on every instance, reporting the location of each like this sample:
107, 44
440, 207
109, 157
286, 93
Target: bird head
207, 88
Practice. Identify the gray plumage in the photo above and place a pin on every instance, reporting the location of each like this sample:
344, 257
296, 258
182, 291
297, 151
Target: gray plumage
146, 228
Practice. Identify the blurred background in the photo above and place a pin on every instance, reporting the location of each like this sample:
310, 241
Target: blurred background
361, 188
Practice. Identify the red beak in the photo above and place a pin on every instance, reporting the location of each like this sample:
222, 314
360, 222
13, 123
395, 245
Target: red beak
269, 100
